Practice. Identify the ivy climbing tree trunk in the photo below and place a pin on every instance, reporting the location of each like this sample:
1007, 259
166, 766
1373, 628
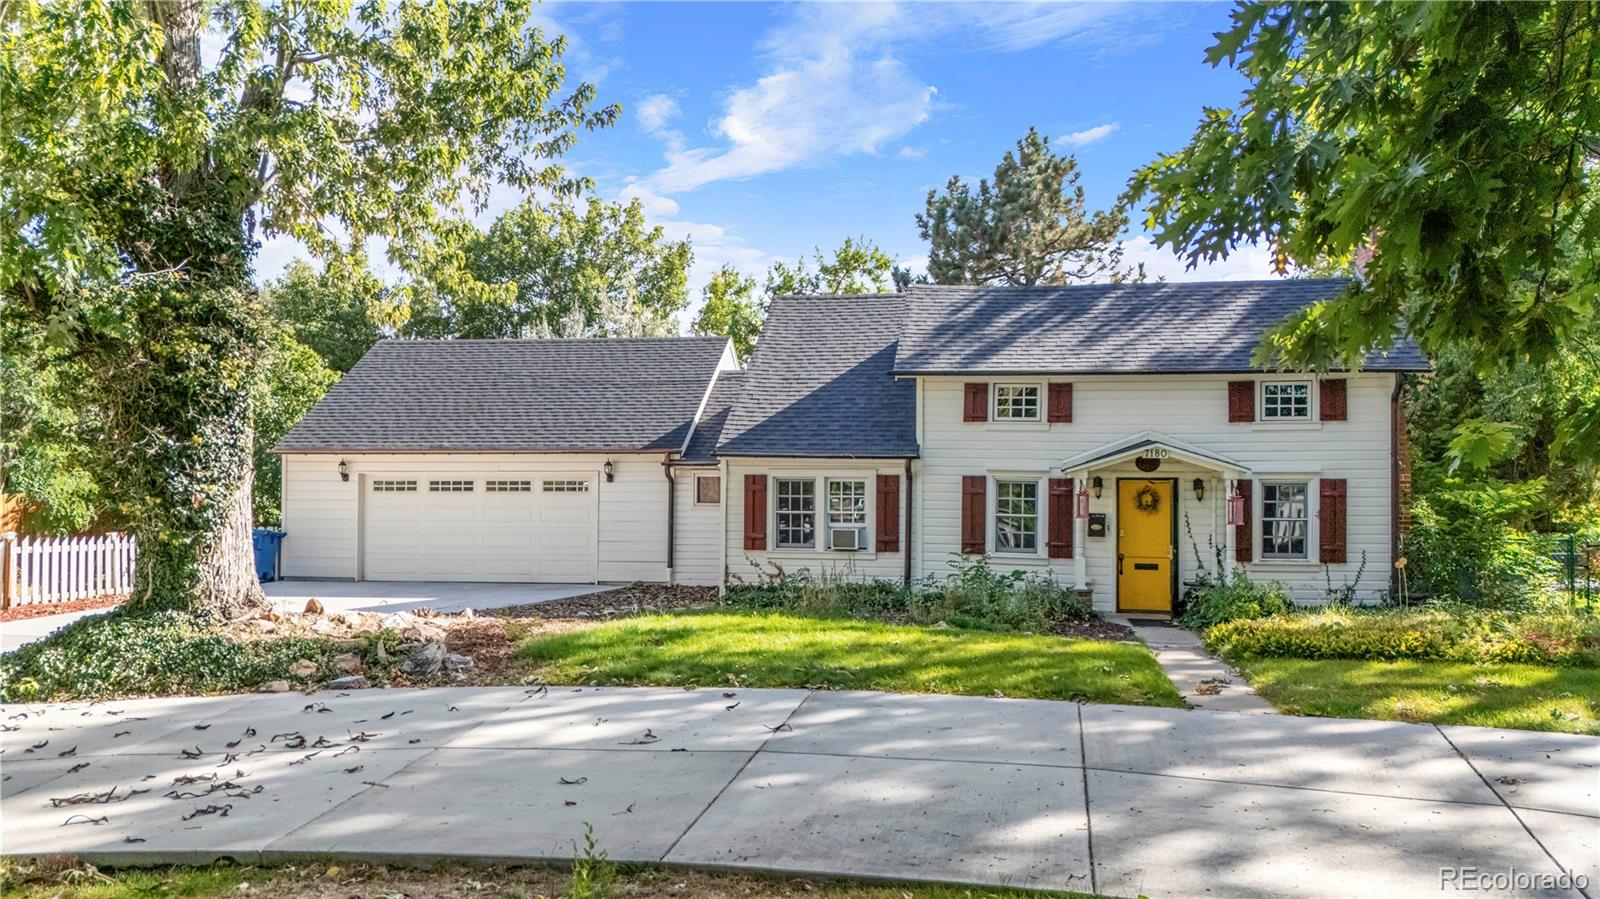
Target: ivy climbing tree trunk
188, 427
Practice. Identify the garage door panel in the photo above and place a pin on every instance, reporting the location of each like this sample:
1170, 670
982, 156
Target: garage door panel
492, 525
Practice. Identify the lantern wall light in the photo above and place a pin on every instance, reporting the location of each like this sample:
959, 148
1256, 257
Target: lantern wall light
344, 470
610, 470
1098, 486
1199, 488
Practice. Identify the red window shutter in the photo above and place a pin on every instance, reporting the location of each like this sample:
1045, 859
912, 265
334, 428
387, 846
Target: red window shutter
1331, 521
976, 407
1241, 401
1060, 410
1242, 539
755, 511
1335, 403
1060, 513
888, 513
972, 513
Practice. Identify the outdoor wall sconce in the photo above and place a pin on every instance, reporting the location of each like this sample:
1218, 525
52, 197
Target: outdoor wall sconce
1199, 489
610, 470
344, 470
1098, 486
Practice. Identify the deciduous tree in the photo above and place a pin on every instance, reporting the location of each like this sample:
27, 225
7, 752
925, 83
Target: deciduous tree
140, 172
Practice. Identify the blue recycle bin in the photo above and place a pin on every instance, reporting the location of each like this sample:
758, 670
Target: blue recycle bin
268, 543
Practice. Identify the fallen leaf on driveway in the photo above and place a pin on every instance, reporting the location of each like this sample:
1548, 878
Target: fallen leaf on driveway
571, 783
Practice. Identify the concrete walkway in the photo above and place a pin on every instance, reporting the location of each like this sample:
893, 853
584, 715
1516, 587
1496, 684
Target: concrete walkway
1118, 800
26, 630
1205, 681
408, 596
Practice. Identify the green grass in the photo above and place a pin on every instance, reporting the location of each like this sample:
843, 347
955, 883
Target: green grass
774, 650
74, 881
1526, 697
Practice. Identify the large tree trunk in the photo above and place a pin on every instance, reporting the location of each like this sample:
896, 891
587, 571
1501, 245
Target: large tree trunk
186, 421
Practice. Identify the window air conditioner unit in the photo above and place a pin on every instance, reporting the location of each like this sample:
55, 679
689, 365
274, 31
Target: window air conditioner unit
847, 538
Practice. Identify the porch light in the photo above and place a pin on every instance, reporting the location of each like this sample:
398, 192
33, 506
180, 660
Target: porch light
344, 470
1098, 484
610, 470
1081, 507
1236, 509
1199, 489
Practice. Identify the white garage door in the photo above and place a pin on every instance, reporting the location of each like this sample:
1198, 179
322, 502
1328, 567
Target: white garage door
473, 528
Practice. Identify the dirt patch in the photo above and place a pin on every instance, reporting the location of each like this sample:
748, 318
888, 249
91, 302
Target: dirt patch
18, 613
634, 599
1092, 629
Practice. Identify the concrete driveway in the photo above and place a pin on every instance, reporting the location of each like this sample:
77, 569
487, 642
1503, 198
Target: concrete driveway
348, 596
1117, 800
406, 596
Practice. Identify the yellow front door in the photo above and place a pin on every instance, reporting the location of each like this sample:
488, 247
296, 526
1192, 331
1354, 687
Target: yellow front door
1144, 545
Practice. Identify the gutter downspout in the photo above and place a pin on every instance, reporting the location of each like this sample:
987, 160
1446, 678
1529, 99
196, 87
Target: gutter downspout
672, 502
908, 524
1396, 423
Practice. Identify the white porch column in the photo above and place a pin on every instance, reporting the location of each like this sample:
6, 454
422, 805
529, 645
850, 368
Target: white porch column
1228, 554
1080, 538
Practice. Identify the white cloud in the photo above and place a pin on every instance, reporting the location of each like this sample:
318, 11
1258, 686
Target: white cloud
655, 111
836, 100
1247, 263
654, 204
1089, 135
912, 153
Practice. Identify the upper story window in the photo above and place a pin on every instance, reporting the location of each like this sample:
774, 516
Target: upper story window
796, 512
1285, 401
1016, 516
1285, 520
1016, 402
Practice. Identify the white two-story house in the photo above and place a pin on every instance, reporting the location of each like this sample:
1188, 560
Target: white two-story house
1114, 437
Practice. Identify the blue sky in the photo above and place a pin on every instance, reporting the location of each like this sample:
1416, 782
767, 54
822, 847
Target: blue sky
761, 130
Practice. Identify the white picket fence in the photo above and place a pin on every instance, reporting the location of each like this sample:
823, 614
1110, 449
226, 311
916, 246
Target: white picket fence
42, 570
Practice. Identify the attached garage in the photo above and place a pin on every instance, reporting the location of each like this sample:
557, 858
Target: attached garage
479, 528
503, 460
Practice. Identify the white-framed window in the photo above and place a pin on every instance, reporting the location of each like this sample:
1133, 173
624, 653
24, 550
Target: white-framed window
1285, 520
449, 486
565, 486
1285, 400
512, 486
707, 489
796, 511
1016, 516
392, 486
847, 509
1016, 402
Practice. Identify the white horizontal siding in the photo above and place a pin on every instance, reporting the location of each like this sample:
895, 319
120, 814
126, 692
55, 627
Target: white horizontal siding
697, 556
321, 512
1189, 408
751, 565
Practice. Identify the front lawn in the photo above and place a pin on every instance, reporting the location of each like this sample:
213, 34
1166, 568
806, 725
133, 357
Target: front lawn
1527, 697
66, 879
773, 650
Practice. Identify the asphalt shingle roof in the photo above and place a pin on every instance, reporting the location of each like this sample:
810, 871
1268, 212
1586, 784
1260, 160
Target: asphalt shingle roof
703, 445
1113, 328
819, 383
513, 396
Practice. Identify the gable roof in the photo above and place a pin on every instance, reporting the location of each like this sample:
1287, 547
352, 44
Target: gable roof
703, 443
1109, 328
819, 383
598, 395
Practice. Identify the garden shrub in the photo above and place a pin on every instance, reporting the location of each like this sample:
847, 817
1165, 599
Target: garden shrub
974, 596
151, 654
1211, 600
1445, 633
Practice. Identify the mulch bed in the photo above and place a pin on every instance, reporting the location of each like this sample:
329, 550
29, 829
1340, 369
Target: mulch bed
39, 610
1092, 629
634, 599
